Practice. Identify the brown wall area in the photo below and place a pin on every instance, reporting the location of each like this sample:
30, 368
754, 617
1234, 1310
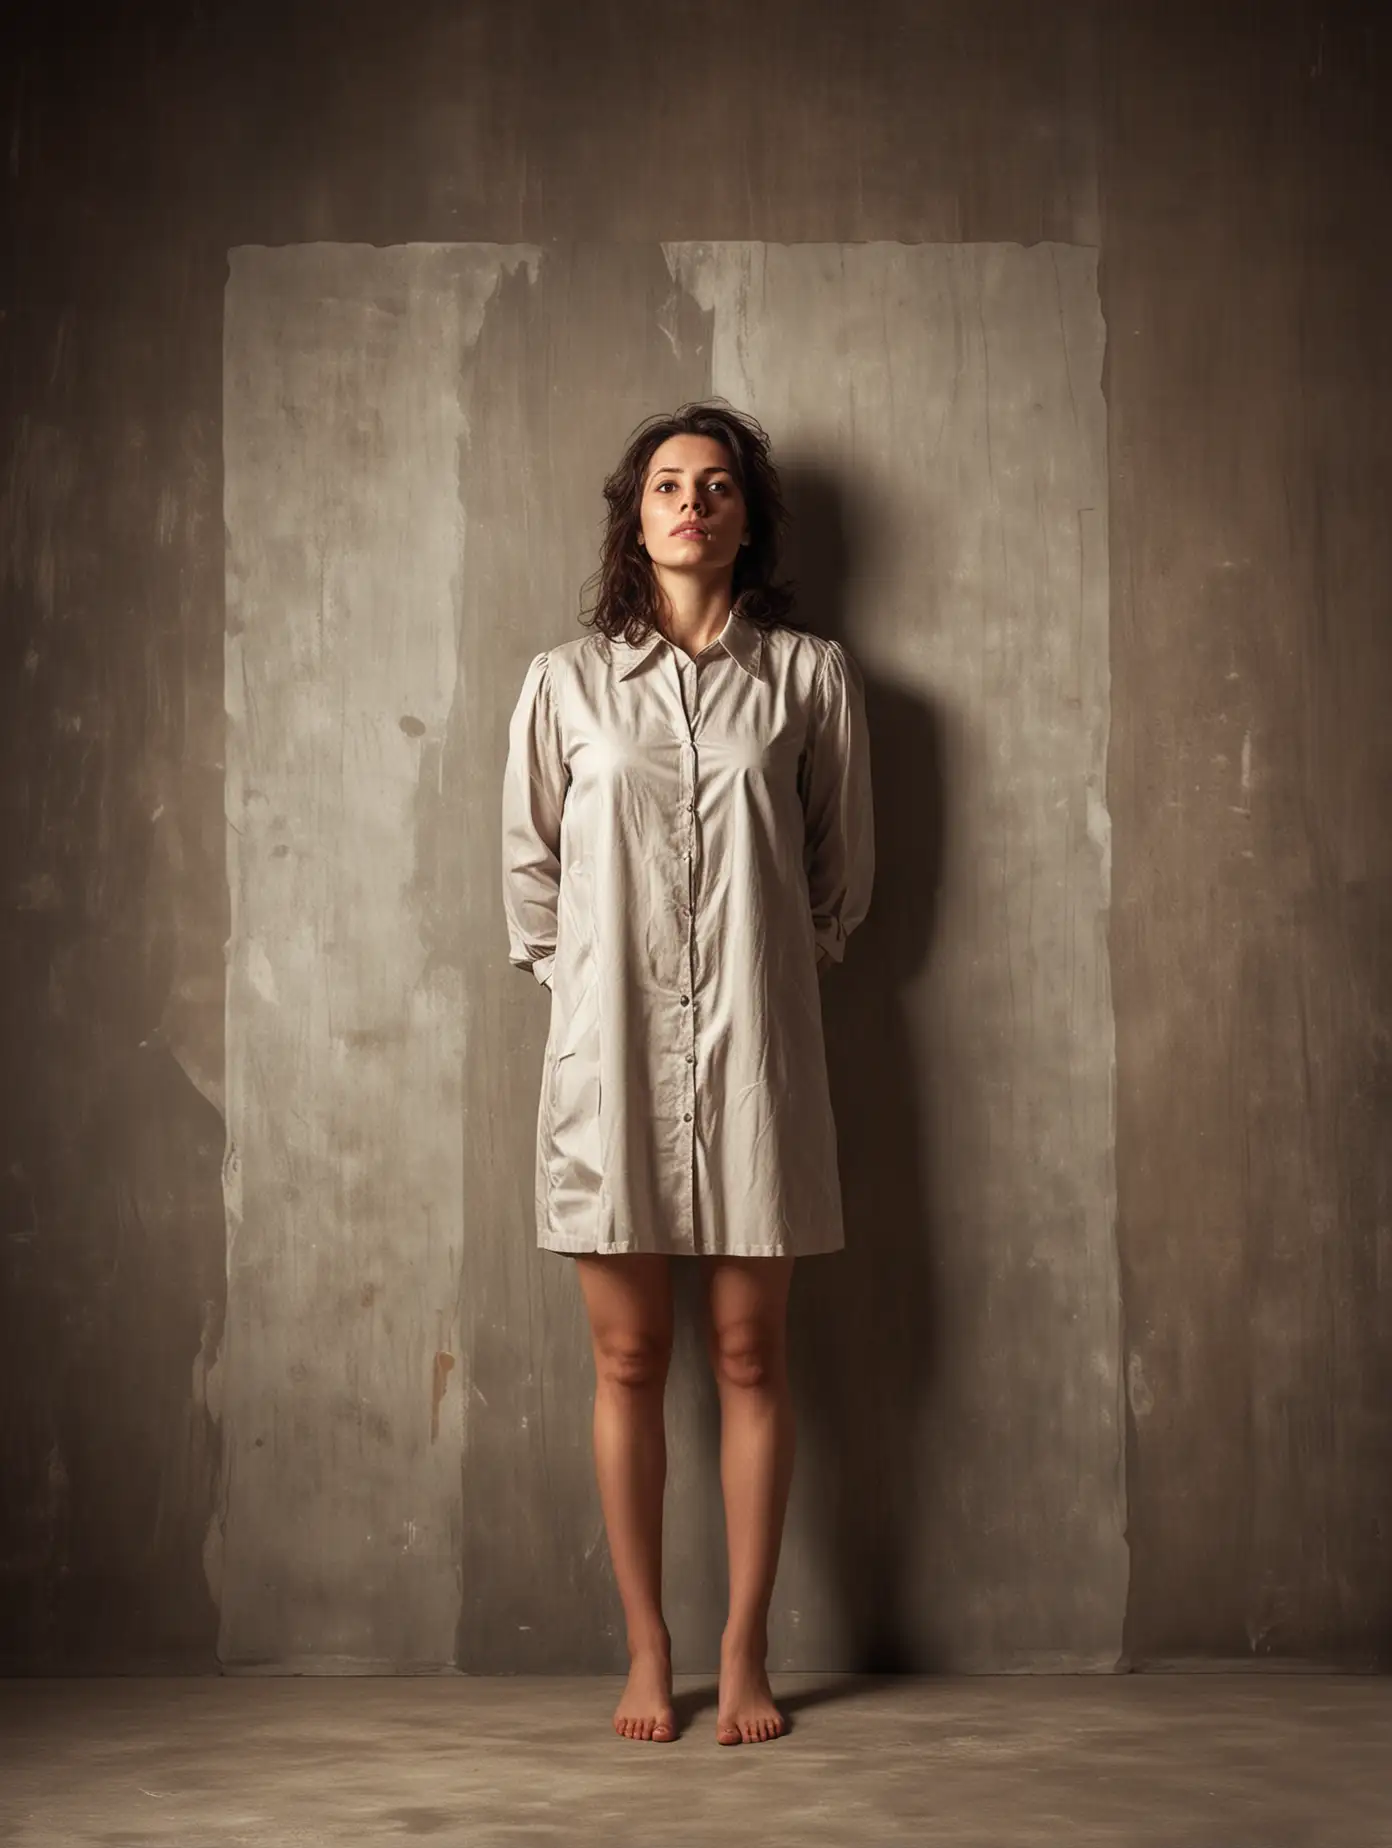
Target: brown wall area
182, 1489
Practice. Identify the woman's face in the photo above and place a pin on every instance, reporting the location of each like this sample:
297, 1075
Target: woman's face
690, 484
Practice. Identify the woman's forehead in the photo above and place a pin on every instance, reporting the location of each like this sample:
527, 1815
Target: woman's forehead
699, 454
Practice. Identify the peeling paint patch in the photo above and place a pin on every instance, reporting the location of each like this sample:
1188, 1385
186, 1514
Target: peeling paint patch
1138, 1392
439, 1380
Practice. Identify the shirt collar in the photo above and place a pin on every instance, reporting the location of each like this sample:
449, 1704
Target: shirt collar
740, 638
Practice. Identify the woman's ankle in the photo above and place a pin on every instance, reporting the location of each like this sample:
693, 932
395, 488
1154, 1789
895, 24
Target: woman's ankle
745, 1639
651, 1640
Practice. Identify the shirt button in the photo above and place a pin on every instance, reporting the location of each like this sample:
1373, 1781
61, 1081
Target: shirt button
686, 1000
691, 1058
691, 808
686, 1116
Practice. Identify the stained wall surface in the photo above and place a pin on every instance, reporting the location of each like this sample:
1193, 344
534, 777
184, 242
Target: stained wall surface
1104, 1376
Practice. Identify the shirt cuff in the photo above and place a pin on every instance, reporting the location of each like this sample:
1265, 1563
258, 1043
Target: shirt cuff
542, 968
830, 938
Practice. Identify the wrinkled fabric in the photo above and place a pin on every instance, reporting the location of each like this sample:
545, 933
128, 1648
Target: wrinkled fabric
680, 837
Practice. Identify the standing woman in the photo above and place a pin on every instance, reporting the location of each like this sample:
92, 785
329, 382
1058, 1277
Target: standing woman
687, 845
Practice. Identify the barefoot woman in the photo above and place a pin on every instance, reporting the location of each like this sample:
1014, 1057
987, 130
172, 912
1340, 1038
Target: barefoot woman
687, 844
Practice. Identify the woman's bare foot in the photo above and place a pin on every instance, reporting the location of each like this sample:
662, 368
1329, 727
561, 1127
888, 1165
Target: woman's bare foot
645, 1708
745, 1710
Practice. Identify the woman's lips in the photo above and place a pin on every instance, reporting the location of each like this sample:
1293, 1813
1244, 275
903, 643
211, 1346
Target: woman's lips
689, 532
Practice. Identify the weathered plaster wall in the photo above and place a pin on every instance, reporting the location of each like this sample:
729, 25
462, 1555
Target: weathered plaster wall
348, 1198
390, 437
1226, 170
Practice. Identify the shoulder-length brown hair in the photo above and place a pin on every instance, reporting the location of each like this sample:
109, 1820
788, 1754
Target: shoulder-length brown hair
627, 604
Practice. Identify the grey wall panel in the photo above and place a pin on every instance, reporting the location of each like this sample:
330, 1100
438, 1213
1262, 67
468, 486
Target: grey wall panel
112, 1230
1250, 382
340, 1381
940, 408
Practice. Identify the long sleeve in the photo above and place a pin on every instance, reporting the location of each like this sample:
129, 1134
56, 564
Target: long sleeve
534, 785
840, 841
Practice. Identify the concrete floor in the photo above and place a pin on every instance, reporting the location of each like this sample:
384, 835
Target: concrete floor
1144, 1761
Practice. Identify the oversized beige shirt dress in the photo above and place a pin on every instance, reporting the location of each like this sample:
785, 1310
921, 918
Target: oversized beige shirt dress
679, 836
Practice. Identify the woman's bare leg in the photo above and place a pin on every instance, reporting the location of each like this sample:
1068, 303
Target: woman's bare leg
747, 1303
628, 1296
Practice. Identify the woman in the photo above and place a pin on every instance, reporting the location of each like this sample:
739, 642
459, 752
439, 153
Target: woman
687, 844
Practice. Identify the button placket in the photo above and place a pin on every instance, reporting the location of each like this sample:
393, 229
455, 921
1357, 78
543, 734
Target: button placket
689, 674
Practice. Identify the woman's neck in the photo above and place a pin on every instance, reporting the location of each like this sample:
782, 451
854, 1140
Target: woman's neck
695, 612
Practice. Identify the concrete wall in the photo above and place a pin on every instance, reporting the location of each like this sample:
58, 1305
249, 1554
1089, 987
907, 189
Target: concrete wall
1072, 336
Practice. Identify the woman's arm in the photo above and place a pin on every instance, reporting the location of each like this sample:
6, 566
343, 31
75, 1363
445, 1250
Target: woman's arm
840, 841
534, 786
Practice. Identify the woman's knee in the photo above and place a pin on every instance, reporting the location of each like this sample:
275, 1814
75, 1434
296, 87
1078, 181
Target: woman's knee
632, 1358
746, 1313
749, 1355
629, 1301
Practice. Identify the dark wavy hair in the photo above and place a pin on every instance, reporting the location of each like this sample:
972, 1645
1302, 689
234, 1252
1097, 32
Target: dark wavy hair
627, 603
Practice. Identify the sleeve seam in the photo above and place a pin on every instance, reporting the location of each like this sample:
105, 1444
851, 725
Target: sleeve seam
823, 656
553, 711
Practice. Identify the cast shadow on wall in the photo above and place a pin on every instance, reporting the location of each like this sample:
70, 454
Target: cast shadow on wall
862, 1321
